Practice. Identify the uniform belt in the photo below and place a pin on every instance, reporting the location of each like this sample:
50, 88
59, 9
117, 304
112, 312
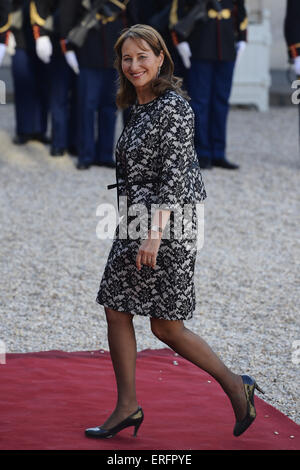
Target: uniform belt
146, 181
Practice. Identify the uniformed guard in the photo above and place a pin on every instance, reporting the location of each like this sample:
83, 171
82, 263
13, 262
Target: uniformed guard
208, 34
292, 33
63, 104
5, 9
156, 13
93, 57
30, 79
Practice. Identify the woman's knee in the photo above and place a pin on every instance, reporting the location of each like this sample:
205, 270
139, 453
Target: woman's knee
166, 330
114, 317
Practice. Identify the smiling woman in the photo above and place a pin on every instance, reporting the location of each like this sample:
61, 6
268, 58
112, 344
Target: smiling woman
145, 67
154, 276
141, 66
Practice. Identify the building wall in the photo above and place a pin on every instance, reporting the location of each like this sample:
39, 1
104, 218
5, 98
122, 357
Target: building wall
278, 53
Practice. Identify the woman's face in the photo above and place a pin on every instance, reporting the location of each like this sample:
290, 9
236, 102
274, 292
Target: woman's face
139, 63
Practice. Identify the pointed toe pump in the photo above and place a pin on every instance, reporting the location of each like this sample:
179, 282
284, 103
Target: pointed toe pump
135, 419
249, 386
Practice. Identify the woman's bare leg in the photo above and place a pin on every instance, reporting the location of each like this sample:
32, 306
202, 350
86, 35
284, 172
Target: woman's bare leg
190, 346
122, 346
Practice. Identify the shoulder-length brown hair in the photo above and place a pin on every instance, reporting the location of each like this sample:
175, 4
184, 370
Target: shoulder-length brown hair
126, 94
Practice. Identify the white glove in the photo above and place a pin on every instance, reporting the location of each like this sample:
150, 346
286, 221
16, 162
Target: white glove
184, 51
44, 48
11, 45
240, 47
72, 61
2, 52
297, 65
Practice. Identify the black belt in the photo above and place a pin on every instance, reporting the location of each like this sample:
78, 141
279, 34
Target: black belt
145, 181
140, 182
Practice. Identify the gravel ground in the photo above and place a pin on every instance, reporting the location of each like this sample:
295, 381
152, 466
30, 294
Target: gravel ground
246, 276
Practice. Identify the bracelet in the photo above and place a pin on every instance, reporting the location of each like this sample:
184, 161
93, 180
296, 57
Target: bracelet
156, 228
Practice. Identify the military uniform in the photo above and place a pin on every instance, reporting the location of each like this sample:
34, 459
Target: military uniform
156, 13
97, 77
5, 20
209, 79
30, 78
44, 20
292, 28
63, 103
4, 27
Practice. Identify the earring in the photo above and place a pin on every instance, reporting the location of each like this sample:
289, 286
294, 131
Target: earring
158, 72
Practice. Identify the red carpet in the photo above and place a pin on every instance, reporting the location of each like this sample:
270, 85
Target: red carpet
47, 399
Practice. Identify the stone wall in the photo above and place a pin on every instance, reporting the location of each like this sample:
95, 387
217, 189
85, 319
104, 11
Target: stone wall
278, 53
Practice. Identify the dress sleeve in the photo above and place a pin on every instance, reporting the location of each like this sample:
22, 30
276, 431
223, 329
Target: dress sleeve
176, 135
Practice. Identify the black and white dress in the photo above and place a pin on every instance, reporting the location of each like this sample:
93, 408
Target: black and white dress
156, 163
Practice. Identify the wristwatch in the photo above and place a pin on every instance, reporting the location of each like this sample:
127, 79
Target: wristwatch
156, 228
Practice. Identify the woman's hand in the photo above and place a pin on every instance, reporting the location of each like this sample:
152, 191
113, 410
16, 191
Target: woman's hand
148, 250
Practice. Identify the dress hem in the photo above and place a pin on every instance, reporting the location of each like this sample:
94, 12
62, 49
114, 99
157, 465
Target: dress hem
189, 317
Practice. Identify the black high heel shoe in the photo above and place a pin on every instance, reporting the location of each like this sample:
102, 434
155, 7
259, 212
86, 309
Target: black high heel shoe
135, 419
249, 386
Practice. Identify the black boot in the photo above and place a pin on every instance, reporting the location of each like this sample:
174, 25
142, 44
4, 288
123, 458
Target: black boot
57, 152
204, 163
83, 166
223, 163
21, 139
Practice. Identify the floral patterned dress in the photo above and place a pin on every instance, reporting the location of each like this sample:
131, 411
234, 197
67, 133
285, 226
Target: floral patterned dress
156, 163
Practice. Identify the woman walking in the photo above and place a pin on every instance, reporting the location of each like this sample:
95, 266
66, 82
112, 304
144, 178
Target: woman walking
156, 164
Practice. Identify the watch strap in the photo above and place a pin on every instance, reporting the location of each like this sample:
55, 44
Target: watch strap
156, 228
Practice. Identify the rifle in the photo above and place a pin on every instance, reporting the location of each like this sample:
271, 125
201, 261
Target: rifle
78, 34
185, 26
